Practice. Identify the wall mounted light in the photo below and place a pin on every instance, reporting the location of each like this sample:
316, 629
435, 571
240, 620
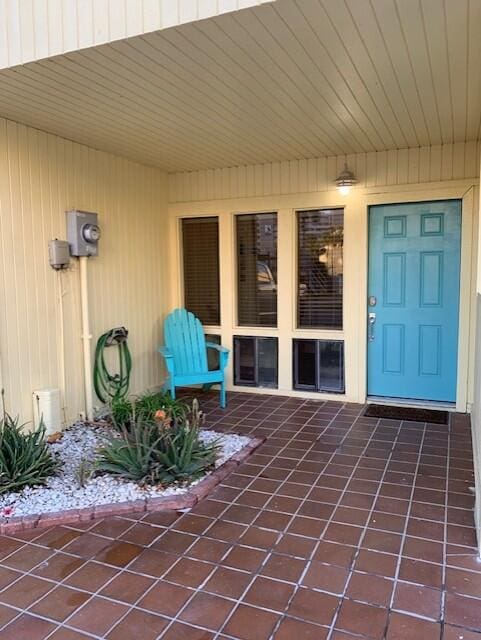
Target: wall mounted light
345, 181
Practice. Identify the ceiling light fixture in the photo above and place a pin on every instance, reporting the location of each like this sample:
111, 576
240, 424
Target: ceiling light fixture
345, 181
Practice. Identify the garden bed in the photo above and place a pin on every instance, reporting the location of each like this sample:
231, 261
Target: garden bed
70, 497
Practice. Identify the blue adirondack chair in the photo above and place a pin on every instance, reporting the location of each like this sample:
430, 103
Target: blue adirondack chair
185, 354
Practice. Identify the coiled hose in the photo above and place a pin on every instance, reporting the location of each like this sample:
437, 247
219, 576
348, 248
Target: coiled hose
110, 386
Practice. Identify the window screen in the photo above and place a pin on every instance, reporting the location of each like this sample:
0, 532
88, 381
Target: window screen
257, 269
319, 365
255, 361
200, 247
213, 360
320, 268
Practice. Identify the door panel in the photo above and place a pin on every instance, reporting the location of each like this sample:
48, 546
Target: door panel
414, 265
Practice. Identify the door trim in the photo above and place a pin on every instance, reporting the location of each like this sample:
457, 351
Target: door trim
468, 273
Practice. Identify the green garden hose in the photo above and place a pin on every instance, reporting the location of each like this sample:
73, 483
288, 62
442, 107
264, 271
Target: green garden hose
110, 386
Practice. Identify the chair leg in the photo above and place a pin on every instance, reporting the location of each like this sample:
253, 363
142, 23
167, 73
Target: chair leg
172, 388
222, 395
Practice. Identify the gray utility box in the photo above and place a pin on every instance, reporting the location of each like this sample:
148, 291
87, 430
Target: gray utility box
83, 233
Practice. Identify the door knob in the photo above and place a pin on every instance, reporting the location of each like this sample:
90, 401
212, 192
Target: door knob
370, 326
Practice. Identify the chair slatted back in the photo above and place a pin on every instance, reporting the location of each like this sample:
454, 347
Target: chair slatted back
184, 336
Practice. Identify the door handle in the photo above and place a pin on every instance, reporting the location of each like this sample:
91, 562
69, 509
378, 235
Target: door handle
370, 326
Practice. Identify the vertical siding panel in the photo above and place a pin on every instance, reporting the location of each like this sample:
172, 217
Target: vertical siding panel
250, 180
4, 52
210, 187
85, 23
41, 29
276, 177
117, 19
225, 183
55, 30
331, 172
134, 17
391, 169
101, 27
267, 179
312, 174
258, 179
458, 160
302, 175
242, 182
413, 165
402, 166
361, 168
371, 169
218, 184
169, 12
381, 168
424, 164
471, 159
69, 26
446, 161
321, 183
435, 163
294, 176
152, 18
285, 177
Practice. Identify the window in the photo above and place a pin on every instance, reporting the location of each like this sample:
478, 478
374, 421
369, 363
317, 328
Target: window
255, 361
319, 365
320, 268
257, 269
213, 360
200, 247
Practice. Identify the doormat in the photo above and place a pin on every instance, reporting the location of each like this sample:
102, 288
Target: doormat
406, 413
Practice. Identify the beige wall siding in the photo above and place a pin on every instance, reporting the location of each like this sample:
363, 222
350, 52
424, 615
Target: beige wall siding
376, 169
41, 176
35, 29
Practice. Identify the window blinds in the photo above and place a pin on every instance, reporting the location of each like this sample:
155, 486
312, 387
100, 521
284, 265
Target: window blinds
200, 250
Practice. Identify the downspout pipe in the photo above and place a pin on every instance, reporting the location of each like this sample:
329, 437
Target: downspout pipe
86, 337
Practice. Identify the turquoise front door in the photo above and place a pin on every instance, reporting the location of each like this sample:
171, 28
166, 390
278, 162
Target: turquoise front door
413, 300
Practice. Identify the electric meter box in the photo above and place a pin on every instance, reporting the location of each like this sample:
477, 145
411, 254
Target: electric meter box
83, 233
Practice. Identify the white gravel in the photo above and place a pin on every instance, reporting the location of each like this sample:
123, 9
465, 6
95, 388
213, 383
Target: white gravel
80, 443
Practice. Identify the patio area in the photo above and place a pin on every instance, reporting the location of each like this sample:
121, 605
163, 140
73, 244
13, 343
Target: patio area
339, 526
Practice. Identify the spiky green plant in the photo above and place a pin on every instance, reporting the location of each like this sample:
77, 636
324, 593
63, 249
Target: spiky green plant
150, 452
124, 411
24, 456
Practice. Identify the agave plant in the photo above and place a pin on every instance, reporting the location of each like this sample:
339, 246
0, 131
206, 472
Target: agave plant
159, 452
124, 411
24, 456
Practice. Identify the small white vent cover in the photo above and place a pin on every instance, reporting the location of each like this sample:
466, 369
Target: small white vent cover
46, 405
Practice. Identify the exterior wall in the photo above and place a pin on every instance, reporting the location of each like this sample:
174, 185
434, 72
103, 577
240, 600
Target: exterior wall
42, 176
432, 173
35, 29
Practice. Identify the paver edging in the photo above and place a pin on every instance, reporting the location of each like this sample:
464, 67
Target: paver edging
163, 503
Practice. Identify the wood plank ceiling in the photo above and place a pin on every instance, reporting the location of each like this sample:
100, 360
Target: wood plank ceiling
287, 80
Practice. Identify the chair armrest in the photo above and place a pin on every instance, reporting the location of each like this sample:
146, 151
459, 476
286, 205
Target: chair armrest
169, 358
219, 347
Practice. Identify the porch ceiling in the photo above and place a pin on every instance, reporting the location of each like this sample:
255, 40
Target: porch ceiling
291, 79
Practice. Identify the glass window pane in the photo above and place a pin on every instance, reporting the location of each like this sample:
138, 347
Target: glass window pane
200, 244
331, 366
320, 268
305, 370
244, 365
257, 269
267, 362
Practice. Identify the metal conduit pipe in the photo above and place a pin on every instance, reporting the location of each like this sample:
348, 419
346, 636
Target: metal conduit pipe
86, 337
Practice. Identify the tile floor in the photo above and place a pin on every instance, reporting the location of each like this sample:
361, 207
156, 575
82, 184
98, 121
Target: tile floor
338, 527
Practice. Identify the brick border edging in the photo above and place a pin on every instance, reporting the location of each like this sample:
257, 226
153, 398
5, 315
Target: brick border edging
163, 503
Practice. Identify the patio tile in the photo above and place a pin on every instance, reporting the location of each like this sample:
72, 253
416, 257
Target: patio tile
165, 598
97, 616
228, 582
250, 623
136, 623
91, 576
245, 558
179, 631
27, 626
326, 577
206, 610
362, 619
463, 611
371, 589
189, 573
269, 594
313, 606
417, 600
60, 603
25, 591
290, 628
127, 587
402, 627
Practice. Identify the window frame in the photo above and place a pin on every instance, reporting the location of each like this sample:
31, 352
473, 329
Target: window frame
332, 333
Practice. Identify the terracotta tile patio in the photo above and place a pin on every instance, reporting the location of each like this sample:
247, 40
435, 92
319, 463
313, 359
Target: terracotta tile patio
338, 527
